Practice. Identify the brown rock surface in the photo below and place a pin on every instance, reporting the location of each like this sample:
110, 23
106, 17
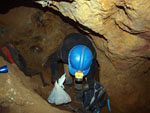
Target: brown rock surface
122, 42
122, 46
123, 23
36, 33
17, 94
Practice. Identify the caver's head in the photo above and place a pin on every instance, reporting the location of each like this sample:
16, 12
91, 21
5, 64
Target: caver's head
79, 61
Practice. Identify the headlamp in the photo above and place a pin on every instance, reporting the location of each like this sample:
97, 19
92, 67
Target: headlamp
79, 76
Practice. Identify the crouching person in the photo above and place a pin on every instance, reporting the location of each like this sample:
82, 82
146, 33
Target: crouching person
79, 57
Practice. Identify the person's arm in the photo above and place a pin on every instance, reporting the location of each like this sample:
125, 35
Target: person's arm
54, 61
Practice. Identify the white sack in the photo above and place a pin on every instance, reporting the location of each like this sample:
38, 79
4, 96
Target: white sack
58, 95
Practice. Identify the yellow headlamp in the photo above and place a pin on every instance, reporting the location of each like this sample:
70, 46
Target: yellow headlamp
79, 76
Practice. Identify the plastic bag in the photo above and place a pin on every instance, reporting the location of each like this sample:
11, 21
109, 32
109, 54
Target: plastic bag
58, 95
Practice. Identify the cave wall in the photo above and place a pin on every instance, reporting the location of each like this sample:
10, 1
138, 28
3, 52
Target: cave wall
124, 24
18, 93
119, 30
36, 33
122, 43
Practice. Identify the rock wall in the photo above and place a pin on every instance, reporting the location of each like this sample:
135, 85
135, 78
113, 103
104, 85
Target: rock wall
122, 43
119, 29
36, 33
17, 94
123, 23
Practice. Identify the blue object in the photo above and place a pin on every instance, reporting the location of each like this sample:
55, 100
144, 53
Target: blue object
4, 69
80, 59
109, 108
108, 103
97, 110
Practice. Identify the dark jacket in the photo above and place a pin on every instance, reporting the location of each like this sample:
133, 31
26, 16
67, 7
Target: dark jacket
61, 54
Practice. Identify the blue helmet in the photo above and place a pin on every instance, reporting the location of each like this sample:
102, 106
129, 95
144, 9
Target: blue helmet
80, 59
